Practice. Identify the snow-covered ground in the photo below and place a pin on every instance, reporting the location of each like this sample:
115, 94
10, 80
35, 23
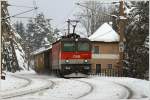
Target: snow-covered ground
12, 83
140, 88
44, 87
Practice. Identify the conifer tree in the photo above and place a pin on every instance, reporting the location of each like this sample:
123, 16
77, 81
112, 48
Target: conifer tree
137, 33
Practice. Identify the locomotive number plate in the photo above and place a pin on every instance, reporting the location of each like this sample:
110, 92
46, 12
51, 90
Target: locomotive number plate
76, 56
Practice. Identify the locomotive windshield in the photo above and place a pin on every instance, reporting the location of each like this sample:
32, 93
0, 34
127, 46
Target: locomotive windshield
83, 46
68, 46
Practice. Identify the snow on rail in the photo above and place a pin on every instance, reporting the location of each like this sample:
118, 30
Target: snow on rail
12, 83
35, 86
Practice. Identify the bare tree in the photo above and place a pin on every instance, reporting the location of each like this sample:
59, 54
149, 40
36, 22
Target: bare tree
93, 14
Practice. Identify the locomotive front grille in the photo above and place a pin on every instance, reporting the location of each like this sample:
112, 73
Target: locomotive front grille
75, 61
76, 68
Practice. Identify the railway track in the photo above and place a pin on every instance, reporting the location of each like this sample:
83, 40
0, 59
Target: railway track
25, 85
88, 92
128, 94
22, 86
50, 84
22, 91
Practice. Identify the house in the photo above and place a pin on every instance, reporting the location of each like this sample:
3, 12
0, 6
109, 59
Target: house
105, 50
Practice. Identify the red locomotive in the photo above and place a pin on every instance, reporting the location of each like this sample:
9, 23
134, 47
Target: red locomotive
70, 55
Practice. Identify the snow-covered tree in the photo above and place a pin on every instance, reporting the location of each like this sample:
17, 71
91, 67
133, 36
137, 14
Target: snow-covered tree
20, 29
39, 32
13, 57
137, 32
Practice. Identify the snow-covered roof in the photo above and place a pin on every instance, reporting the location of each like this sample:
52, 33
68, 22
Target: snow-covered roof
38, 51
105, 33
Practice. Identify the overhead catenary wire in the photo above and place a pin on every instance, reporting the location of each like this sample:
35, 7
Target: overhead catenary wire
20, 6
64, 19
34, 8
20, 13
93, 9
25, 17
67, 17
35, 13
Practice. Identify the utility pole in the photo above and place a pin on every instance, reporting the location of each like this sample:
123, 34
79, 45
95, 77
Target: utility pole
68, 26
0, 44
121, 29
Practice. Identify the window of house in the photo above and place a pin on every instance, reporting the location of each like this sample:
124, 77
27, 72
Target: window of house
96, 50
110, 66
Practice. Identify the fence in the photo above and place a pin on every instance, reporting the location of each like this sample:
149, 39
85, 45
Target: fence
108, 72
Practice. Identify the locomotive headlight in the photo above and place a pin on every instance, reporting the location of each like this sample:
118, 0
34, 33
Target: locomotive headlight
76, 39
67, 61
85, 61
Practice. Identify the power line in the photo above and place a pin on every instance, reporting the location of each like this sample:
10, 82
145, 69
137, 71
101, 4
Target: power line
20, 13
91, 9
20, 6
67, 16
35, 11
25, 17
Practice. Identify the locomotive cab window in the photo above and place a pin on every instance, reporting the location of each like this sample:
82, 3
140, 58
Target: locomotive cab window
68, 46
83, 46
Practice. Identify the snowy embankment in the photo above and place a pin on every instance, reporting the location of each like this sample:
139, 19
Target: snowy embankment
33, 86
106, 90
92, 88
12, 83
140, 88
65, 89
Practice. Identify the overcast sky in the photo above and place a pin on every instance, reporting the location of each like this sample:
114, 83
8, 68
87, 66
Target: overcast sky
58, 10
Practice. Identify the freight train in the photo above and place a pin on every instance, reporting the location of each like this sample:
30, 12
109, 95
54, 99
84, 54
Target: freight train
68, 57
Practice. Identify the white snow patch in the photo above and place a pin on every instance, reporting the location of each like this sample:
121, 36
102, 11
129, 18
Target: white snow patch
40, 50
104, 88
36, 84
66, 88
21, 59
140, 88
17, 35
123, 17
11, 83
46, 40
105, 33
